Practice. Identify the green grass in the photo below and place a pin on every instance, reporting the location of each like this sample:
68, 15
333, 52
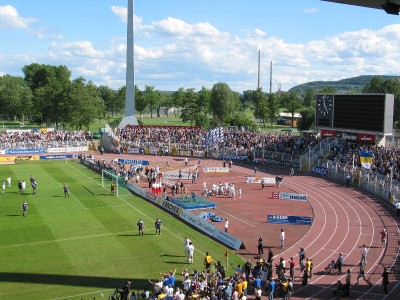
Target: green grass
86, 245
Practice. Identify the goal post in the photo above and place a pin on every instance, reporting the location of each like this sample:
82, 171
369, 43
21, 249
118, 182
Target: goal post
108, 177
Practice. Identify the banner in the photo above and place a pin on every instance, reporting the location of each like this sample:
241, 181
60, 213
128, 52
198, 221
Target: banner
208, 228
56, 156
232, 156
290, 196
267, 180
366, 159
216, 170
327, 133
133, 151
67, 149
184, 152
319, 171
292, 220
7, 159
171, 207
133, 162
25, 151
32, 157
366, 138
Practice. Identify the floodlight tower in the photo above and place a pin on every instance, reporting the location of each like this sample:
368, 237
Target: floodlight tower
129, 118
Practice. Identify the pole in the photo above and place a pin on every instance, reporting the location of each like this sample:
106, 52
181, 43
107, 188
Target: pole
259, 63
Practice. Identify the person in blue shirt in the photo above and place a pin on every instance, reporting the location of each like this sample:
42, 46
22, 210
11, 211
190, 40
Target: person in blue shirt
170, 278
270, 288
257, 282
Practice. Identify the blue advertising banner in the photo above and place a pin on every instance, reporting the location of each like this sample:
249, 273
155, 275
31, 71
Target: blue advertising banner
291, 220
133, 162
320, 171
25, 151
56, 156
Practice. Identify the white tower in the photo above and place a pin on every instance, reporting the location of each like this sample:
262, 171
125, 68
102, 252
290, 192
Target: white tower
130, 118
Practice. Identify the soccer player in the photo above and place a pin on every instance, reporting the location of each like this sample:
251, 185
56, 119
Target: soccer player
113, 185
3, 186
157, 225
33, 184
190, 253
24, 208
9, 181
66, 191
23, 186
140, 225
20, 187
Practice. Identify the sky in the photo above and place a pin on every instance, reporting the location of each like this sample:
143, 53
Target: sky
193, 43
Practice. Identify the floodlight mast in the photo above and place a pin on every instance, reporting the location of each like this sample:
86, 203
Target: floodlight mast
129, 118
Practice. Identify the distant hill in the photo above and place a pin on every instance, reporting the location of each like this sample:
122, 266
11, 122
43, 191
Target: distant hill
348, 85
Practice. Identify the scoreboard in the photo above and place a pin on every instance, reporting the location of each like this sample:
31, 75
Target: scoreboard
361, 112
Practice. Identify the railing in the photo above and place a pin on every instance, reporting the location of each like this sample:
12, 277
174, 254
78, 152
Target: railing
382, 186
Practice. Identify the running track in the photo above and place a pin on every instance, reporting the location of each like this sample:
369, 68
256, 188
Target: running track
344, 220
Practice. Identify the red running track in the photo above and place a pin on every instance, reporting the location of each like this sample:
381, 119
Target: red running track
344, 219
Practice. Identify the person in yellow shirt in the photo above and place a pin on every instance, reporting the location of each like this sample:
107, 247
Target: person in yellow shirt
308, 267
208, 260
239, 287
244, 281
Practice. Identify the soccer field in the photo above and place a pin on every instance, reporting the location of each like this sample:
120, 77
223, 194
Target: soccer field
84, 246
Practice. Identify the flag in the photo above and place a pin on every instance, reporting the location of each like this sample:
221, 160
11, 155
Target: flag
366, 159
226, 256
214, 136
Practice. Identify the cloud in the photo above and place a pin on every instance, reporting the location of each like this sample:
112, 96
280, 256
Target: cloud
172, 53
9, 18
310, 10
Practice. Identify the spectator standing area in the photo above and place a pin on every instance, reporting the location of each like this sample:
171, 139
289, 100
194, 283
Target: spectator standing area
343, 220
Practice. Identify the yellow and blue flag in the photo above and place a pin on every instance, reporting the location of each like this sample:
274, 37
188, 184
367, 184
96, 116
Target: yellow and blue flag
366, 159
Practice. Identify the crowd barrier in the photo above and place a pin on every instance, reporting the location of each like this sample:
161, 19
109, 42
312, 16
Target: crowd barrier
380, 185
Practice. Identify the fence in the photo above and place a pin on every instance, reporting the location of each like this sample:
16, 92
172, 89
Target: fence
380, 185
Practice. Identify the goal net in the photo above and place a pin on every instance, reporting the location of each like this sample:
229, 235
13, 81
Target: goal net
114, 183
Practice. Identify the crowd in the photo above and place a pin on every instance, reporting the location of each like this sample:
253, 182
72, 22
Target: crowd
384, 161
196, 136
42, 139
263, 278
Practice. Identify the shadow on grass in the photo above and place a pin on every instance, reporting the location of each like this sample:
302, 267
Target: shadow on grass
72, 280
169, 255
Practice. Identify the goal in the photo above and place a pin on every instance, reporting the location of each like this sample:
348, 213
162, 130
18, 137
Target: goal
112, 180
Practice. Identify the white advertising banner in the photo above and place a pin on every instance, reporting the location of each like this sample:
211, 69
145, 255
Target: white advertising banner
267, 180
216, 170
290, 196
68, 149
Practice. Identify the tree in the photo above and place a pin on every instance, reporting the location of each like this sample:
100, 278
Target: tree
273, 108
309, 98
306, 122
291, 102
247, 99
261, 109
140, 101
223, 102
15, 98
151, 98
190, 107
204, 100
178, 99
48, 84
110, 100
83, 103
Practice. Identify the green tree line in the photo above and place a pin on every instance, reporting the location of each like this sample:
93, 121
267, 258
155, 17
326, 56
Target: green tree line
47, 95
